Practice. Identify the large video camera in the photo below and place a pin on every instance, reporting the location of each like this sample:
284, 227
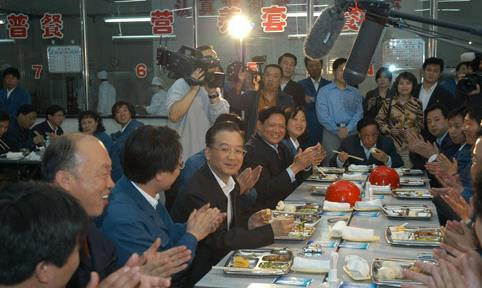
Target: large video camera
183, 62
469, 83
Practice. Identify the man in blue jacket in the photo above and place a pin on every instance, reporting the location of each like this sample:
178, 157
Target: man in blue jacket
12, 96
135, 217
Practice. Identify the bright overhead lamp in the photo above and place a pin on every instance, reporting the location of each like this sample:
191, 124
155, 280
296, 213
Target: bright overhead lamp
127, 19
7, 41
128, 1
239, 26
2, 21
142, 37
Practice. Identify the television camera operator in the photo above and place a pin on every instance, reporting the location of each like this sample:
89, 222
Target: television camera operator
469, 87
194, 101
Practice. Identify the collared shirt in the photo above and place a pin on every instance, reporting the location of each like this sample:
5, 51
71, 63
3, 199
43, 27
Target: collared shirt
290, 172
425, 95
335, 107
283, 85
295, 142
316, 83
51, 127
152, 201
441, 138
227, 188
125, 126
9, 91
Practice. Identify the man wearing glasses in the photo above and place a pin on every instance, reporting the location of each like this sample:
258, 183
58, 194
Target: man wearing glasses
215, 184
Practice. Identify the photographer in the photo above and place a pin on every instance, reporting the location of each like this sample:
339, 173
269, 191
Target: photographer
192, 108
468, 87
236, 85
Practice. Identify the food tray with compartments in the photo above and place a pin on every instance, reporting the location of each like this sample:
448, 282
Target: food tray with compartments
412, 193
389, 271
416, 212
277, 261
413, 236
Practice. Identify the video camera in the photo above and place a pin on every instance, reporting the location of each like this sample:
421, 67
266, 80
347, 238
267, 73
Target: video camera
183, 62
235, 67
469, 83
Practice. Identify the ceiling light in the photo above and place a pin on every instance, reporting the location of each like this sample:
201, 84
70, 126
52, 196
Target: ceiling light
142, 37
126, 19
128, 1
2, 21
7, 41
239, 26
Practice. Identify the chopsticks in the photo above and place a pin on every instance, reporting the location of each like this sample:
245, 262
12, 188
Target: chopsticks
351, 156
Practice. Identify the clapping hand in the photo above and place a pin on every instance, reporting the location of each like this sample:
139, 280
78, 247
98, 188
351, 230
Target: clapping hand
248, 178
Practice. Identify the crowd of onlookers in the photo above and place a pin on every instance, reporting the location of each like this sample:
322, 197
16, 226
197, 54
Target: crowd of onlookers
99, 222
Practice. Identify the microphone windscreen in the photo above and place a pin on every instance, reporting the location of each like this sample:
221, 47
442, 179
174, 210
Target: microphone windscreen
324, 33
363, 49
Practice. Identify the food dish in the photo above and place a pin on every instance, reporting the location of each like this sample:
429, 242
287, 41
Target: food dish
323, 178
259, 262
412, 181
407, 211
409, 172
330, 170
389, 271
407, 193
413, 236
300, 232
298, 207
306, 218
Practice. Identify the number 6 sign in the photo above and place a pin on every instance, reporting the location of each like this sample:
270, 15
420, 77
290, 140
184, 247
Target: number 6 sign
141, 70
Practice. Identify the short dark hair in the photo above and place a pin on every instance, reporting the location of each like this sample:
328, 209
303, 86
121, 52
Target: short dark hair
61, 154
121, 103
267, 112
149, 150
467, 64
273, 66
438, 106
406, 76
337, 63
289, 55
11, 71
434, 61
95, 116
52, 109
475, 113
306, 60
231, 117
25, 109
384, 71
38, 222
458, 112
219, 127
4, 116
364, 122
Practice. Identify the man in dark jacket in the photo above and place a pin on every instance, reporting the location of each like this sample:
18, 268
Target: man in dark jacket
288, 62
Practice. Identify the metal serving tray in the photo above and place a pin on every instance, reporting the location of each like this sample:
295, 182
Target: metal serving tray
299, 207
277, 261
388, 271
413, 236
310, 219
331, 170
323, 178
300, 232
412, 193
410, 172
412, 181
416, 212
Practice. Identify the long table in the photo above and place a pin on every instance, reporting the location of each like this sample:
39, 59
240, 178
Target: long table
217, 278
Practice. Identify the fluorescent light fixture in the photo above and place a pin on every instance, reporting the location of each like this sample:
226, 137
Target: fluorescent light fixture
7, 41
421, 10
449, 9
142, 37
128, 1
298, 36
127, 19
301, 14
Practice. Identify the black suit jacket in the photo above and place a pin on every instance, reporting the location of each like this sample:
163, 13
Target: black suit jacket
447, 147
296, 91
102, 258
439, 96
274, 183
203, 188
352, 146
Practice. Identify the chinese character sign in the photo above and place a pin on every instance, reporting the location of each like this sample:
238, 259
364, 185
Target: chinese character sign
225, 14
206, 7
161, 22
17, 26
51, 25
273, 18
182, 8
353, 20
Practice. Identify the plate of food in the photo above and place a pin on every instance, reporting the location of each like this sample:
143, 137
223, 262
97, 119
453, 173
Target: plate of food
323, 178
330, 170
300, 232
407, 211
299, 207
309, 219
409, 172
389, 271
412, 193
413, 236
275, 261
412, 181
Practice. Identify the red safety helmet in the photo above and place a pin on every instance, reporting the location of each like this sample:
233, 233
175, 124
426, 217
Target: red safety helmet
383, 175
343, 191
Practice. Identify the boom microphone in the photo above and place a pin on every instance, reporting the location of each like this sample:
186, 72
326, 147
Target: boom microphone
324, 32
364, 48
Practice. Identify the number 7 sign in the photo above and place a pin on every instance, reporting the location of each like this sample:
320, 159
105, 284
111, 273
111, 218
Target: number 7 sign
37, 68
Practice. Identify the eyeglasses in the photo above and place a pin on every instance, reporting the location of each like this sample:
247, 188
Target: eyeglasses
226, 150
